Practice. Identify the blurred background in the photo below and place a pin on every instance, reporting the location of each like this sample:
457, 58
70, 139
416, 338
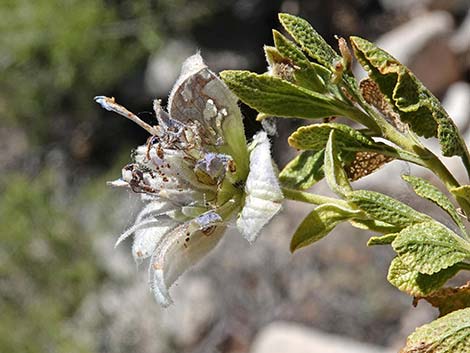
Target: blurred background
63, 288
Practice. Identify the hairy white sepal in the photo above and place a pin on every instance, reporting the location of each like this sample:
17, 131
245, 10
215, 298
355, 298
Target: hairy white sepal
263, 193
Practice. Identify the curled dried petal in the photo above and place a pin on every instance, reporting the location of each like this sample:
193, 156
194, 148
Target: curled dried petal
179, 250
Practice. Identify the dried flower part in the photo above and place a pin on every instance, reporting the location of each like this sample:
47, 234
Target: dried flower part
328, 119
345, 53
338, 69
372, 95
448, 299
176, 252
279, 65
365, 163
195, 173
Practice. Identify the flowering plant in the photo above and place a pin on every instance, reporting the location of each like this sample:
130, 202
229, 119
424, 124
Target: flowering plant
308, 79
197, 175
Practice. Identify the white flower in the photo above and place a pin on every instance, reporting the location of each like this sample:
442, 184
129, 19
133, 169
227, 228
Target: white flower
197, 176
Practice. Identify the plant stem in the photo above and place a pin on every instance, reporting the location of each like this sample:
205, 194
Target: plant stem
434, 164
357, 115
428, 159
307, 197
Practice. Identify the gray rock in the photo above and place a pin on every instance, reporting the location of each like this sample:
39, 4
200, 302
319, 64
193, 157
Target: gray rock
224, 60
457, 103
405, 5
164, 66
194, 312
122, 318
460, 40
412, 7
405, 41
282, 337
415, 317
421, 43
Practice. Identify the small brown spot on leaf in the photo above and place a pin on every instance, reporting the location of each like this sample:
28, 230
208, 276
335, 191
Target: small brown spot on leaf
208, 231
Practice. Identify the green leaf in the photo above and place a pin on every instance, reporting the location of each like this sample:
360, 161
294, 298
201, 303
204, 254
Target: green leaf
304, 170
452, 143
383, 240
357, 151
319, 223
310, 41
273, 56
425, 189
462, 192
335, 175
418, 284
385, 70
276, 97
386, 209
430, 247
449, 299
462, 195
315, 137
448, 334
415, 104
307, 74
374, 225
289, 50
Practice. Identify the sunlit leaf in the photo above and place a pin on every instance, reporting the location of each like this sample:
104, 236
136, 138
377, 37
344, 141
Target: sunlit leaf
425, 189
462, 191
383, 240
335, 175
310, 41
430, 247
415, 104
307, 74
315, 137
276, 97
448, 334
386, 209
304, 170
417, 284
374, 225
319, 223
352, 143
